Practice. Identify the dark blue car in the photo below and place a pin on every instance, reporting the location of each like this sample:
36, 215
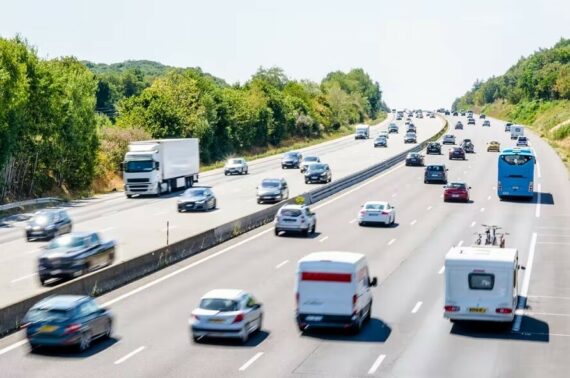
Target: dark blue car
67, 320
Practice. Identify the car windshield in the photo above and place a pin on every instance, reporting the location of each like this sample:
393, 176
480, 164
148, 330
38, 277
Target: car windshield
435, 168
311, 158
374, 206
290, 212
139, 166
413, 155
317, 167
48, 315
235, 161
456, 185
195, 193
42, 219
522, 139
290, 155
381, 137
270, 184
219, 304
449, 136
466, 140
66, 241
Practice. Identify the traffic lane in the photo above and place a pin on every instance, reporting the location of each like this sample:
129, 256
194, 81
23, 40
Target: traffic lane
131, 224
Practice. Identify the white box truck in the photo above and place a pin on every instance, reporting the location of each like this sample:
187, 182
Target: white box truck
362, 132
161, 166
333, 290
516, 131
481, 283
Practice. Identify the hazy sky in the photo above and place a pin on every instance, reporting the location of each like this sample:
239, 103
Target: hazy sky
424, 53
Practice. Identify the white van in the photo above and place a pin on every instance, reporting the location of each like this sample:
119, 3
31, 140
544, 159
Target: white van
516, 131
362, 132
481, 283
333, 291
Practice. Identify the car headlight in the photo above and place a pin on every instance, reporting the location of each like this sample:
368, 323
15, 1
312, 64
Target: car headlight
323, 174
200, 202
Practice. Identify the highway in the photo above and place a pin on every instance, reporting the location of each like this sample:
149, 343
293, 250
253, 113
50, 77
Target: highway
407, 336
125, 220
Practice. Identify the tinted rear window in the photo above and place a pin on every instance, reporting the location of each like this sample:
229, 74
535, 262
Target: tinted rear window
435, 168
374, 206
48, 315
217, 304
481, 281
290, 212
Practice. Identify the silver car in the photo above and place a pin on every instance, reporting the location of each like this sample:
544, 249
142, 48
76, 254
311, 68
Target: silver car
225, 313
272, 190
236, 166
295, 218
308, 160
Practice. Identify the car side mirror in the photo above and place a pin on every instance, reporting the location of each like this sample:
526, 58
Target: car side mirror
521, 267
469, 187
373, 282
257, 306
446, 169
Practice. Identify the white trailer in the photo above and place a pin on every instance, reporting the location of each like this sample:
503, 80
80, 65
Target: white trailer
362, 132
516, 131
481, 283
161, 166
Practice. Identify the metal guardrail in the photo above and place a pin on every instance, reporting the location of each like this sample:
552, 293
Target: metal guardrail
15, 207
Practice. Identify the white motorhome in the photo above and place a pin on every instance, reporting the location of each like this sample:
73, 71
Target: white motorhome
516, 131
161, 166
362, 132
481, 283
333, 290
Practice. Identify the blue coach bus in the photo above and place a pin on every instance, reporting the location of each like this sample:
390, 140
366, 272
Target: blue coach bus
516, 173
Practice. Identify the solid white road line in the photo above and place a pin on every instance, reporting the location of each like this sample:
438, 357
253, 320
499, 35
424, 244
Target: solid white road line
376, 364
539, 174
538, 198
413, 222
526, 281
391, 241
473, 223
13, 346
482, 209
123, 359
352, 221
24, 278
429, 208
460, 243
323, 239
417, 307
281, 264
489, 198
251, 361
441, 270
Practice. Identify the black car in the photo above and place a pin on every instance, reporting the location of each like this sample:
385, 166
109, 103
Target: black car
411, 128
471, 121
272, 190
456, 153
468, 146
196, 199
434, 148
462, 114
455, 114
459, 125
482, 116
67, 320
318, 172
291, 159
414, 159
381, 141
75, 254
47, 224
435, 173
410, 138
447, 112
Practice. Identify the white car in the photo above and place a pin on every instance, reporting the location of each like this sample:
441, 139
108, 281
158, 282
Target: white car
385, 134
237, 165
226, 313
377, 212
522, 141
295, 218
308, 160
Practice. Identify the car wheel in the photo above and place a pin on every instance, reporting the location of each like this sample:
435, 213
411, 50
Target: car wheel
129, 195
260, 324
277, 231
225, 173
306, 181
314, 228
108, 330
258, 201
214, 205
245, 336
305, 232
196, 339
43, 281
84, 341
394, 220
358, 326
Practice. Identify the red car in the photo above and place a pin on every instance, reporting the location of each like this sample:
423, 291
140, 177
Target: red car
456, 191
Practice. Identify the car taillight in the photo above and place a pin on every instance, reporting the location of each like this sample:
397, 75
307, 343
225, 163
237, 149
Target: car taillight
72, 328
449, 308
504, 310
238, 318
362, 212
385, 213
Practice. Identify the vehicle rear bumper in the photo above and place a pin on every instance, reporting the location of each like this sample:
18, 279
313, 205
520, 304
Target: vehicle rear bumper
41, 340
326, 321
480, 317
46, 273
198, 331
291, 227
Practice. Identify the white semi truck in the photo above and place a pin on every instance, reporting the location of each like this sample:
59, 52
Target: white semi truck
153, 167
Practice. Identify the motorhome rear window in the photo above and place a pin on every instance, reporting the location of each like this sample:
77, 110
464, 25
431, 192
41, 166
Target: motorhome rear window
481, 281
329, 277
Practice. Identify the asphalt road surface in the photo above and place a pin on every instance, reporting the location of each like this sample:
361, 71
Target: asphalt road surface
407, 336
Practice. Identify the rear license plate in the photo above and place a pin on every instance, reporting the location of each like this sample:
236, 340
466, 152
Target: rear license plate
289, 220
313, 318
47, 329
479, 310
216, 320
373, 215
455, 195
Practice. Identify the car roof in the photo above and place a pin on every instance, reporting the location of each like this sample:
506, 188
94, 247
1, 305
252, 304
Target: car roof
61, 302
234, 294
76, 234
48, 211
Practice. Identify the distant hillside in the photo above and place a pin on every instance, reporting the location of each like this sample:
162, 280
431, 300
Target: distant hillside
534, 92
147, 67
